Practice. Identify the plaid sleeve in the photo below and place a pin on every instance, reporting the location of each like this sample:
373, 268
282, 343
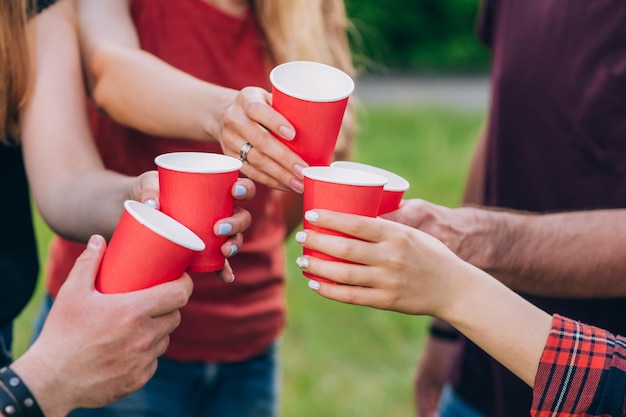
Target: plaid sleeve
582, 372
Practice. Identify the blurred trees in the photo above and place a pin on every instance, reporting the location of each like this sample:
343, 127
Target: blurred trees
416, 35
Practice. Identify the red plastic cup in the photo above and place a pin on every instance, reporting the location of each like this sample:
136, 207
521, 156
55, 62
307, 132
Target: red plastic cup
195, 189
147, 248
343, 190
313, 97
392, 192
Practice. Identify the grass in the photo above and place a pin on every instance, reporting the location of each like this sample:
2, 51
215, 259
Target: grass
340, 360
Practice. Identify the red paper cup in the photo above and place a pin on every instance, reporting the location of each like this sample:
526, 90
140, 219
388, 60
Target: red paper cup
313, 97
195, 189
394, 189
343, 190
146, 249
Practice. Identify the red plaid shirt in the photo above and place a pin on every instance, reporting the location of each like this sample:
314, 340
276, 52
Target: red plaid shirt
582, 372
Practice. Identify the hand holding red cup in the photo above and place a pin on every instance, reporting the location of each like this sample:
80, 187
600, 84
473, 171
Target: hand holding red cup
147, 248
343, 190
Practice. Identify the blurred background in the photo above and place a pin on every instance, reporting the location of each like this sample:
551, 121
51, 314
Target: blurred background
422, 93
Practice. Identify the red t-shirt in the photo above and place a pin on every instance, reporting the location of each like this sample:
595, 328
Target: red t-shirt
222, 322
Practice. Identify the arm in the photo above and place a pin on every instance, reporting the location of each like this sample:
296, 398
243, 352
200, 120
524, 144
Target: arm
74, 193
571, 254
405, 270
139, 90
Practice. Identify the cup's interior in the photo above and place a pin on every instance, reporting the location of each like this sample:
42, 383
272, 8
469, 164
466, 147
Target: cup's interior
164, 225
312, 81
344, 176
198, 162
394, 181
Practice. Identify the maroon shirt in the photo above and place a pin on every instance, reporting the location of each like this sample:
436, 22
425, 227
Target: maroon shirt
556, 142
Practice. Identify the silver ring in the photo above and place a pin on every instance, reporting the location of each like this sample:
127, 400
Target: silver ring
244, 152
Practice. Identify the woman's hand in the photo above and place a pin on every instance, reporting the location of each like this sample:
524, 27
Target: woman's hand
251, 119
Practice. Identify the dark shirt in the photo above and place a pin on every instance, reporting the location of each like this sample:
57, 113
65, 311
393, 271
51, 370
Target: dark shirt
556, 142
18, 252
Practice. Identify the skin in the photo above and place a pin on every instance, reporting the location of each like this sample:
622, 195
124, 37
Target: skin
78, 361
92, 196
122, 77
402, 269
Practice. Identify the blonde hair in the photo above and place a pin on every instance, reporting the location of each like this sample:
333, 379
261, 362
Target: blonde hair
311, 30
14, 66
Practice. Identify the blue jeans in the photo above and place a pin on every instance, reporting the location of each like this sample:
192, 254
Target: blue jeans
451, 405
6, 341
249, 388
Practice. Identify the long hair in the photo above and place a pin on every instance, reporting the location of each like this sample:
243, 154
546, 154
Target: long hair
311, 30
14, 65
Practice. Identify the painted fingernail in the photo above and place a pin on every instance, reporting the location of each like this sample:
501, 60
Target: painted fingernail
233, 250
314, 285
224, 229
286, 132
300, 237
240, 190
150, 203
311, 216
302, 262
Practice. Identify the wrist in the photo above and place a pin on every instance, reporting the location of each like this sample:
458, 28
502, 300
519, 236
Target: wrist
43, 384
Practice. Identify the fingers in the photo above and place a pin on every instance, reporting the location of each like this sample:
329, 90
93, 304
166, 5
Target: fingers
346, 294
362, 227
243, 189
226, 275
237, 223
163, 298
147, 189
251, 119
84, 272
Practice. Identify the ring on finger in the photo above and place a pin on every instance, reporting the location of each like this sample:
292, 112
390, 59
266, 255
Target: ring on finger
243, 153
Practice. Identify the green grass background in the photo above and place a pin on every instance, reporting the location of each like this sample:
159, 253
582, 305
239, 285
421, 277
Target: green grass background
340, 360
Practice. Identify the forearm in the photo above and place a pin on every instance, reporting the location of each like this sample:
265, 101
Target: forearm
138, 90
503, 324
89, 203
576, 254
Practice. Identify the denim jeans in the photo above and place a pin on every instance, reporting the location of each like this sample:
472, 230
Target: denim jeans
451, 405
6, 341
249, 388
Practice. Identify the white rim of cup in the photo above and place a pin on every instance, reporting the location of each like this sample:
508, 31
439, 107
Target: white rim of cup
198, 162
312, 81
344, 176
163, 225
395, 181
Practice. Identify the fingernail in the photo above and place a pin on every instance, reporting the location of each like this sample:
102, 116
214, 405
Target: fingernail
94, 242
286, 132
240, 190
150, 203
302, 262
224, 229
297, 186
233, 250
300, 237
314, 285
232, 278
298, 168
311, 216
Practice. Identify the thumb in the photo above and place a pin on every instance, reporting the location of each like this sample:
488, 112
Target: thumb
83, 274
